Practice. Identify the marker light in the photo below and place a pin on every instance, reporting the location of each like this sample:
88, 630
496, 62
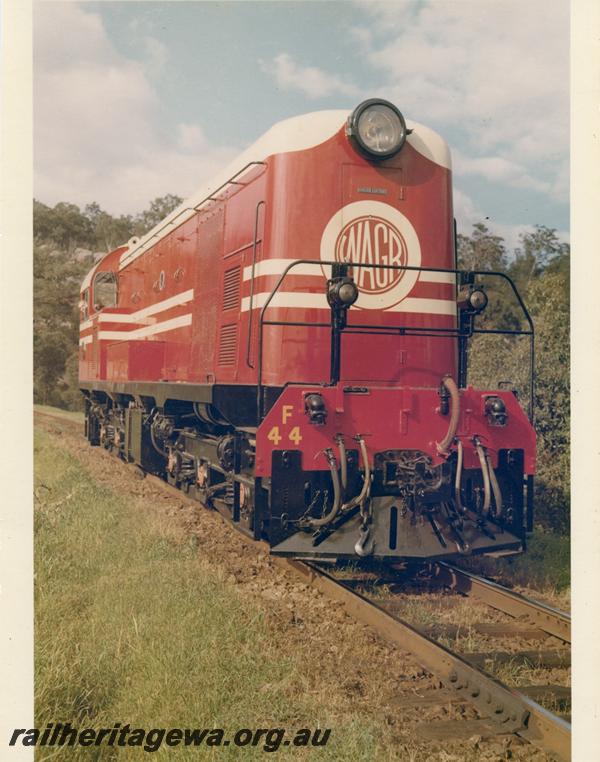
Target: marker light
314, 407
342, 292
478, 300
378, 128
472, 299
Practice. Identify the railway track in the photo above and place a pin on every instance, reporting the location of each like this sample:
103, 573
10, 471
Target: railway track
544, 617
466, 677
378, 598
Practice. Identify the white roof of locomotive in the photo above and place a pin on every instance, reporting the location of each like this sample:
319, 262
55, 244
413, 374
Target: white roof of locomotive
295, 134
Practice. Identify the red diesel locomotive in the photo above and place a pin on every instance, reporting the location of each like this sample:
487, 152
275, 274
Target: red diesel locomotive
290, 347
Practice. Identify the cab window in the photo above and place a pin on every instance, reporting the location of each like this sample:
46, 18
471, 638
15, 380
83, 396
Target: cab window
105, 290
85, 304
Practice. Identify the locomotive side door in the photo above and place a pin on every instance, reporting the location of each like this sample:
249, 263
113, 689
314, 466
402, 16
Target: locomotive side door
229, 296
244, 219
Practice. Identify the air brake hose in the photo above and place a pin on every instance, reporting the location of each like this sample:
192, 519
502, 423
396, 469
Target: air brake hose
337, 497
443, 446
458, 479
486, 478
343, 463
365, 544
495, 486
360, 498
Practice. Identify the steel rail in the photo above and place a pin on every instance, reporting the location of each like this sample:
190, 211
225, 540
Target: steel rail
546, 618
510, 710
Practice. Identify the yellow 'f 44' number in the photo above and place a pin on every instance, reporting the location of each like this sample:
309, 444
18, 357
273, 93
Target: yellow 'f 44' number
294, 436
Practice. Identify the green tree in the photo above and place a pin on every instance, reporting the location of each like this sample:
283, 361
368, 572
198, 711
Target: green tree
158, 210
108, 231
56, 278
64, 226
549, 303
481, 250
538, 251
540, 269
485, 251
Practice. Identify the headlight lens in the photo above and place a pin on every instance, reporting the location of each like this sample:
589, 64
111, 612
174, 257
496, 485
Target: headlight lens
379, 128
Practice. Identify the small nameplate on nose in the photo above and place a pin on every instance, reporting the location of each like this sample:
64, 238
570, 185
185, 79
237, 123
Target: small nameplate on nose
378, 191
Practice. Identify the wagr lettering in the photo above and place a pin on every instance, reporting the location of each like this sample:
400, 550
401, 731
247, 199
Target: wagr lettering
373, 233
371, 240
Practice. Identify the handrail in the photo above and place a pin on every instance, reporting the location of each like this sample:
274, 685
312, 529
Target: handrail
170, 220
231, 181
254, 247
414, 329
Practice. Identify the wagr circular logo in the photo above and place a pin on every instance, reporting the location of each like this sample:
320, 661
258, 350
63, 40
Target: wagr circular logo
370, 233
371, 239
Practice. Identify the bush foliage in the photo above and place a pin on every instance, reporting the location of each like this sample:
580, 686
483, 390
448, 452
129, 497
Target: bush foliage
539, 268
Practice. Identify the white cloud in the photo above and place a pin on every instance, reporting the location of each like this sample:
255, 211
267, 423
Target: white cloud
497, 71
190, 137
361, 36
498, 169
493, 76
141, 36
465, 211
313, 82
156, 53
96, 120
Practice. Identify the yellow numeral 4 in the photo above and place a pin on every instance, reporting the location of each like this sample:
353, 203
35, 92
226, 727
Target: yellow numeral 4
295, 435
274, 435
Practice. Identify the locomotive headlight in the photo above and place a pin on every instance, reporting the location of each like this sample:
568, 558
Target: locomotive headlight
378, 128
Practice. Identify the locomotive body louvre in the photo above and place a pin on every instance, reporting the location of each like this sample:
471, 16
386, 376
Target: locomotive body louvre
290, 347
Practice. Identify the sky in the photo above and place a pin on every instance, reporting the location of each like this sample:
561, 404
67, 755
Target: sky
133, 100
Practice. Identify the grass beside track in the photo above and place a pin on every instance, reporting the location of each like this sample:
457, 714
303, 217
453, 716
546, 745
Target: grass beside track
131, 626
545, 566
57, 412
